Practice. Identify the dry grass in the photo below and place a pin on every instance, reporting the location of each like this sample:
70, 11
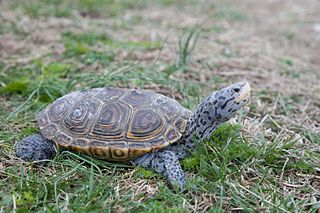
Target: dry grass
272, 44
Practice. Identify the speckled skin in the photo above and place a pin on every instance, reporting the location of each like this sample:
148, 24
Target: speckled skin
210, 113
35, 148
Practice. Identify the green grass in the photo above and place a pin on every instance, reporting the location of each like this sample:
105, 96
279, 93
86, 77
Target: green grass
259, 162
79, 183
81, 43
60, 8
187, 44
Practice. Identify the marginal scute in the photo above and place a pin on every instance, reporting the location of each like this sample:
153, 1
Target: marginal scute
98, 143
159, 143
172, 134
118, 154
133, 144
137, 152
180, 124
113, 123
63, 139
50, 131
42, 118
81, 142
120, 144
85, 150
103, 153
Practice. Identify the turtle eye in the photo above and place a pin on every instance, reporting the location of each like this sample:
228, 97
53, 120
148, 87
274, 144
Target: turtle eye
236, 89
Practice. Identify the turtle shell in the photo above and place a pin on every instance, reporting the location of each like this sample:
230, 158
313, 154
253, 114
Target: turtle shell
113, 123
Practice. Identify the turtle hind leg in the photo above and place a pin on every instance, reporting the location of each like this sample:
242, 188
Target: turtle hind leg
166, 163
35, 148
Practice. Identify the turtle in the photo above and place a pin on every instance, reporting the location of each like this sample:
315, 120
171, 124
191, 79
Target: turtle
134, 126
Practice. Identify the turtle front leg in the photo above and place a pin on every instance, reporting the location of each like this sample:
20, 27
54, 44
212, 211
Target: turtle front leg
166, 163
35, 147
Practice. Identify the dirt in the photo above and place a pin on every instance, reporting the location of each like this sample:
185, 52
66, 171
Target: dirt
275, 45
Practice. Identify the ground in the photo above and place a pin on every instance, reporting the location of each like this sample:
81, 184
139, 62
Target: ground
265, 160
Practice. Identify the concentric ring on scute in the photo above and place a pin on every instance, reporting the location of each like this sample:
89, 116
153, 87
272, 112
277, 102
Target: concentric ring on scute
50, 131
146, 124
58, 109
168, 106
63, 139
77, 121
113, 123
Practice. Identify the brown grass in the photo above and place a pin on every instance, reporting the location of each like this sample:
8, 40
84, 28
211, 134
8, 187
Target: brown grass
275, 43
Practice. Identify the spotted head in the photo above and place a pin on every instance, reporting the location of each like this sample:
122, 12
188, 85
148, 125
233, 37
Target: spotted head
217, 108
227, 101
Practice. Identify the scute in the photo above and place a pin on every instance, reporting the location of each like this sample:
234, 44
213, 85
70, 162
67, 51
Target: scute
77, 120
146, 124
113, 123
168, 106
106, 94
110, 123
63, 139
137, 98
58, 109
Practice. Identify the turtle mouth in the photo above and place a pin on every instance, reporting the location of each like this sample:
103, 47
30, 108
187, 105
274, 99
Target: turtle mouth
244, 93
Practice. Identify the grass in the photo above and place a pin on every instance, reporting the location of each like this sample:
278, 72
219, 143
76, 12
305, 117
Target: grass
187, 43
264, 160
60, 8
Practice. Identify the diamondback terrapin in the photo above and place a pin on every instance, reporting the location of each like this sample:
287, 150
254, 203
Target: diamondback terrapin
128, 125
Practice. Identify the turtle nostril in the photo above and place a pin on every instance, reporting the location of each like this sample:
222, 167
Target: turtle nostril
236, 89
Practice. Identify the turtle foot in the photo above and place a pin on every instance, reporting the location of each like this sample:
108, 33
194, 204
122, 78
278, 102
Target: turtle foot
35, 148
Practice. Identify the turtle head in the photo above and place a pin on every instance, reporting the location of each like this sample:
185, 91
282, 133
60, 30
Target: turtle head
227, 101
217, 108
